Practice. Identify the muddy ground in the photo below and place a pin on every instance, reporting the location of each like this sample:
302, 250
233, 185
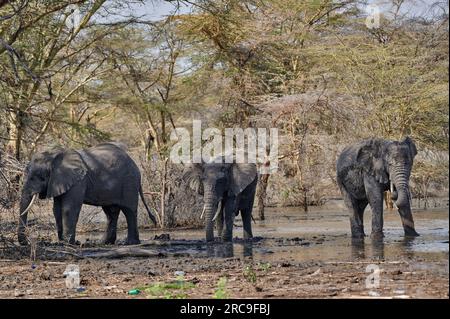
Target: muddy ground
294, 255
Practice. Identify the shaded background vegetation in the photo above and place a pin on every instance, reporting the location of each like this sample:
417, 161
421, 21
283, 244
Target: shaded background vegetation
311, 68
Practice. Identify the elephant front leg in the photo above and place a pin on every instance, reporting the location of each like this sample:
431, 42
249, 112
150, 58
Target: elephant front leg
58, 217
229, 214
247, 223
375, 196
70, 210
71, 203
220, 220
112, 215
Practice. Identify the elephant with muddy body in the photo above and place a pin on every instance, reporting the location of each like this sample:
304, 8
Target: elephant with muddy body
227, 188
366, 170
103, 175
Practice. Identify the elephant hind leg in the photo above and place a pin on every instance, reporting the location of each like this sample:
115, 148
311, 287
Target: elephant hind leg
112, 215
133, 233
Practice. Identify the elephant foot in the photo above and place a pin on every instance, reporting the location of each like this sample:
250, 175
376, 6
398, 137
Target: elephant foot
132, 241
411, 232
215, 240
23, 241
358, 235
377, 235
108, 241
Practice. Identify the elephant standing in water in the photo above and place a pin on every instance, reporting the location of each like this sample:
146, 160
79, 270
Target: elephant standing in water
228, 188
365, 170
103, 175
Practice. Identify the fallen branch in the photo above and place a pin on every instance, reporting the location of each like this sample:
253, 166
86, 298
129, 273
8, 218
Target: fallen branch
122, 253
365, 262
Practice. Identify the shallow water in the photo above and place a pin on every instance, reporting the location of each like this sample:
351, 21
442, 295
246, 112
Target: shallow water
323, 234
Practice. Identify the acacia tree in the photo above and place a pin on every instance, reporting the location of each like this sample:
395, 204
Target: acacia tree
44, 43
263, 49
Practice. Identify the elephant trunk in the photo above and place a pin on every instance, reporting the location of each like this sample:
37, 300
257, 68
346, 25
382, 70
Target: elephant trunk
26, 201
403, 199
209, 210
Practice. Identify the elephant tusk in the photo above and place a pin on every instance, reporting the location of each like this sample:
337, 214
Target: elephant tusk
203, 212
216, 215
29, 206
391, 189
219, 210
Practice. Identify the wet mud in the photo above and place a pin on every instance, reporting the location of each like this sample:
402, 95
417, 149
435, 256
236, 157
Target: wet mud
293, 255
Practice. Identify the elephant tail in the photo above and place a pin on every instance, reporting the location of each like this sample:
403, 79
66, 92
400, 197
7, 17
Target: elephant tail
152, 217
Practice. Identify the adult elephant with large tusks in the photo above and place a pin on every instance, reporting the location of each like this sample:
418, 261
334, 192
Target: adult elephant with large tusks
103, 175
365, 170
227, 189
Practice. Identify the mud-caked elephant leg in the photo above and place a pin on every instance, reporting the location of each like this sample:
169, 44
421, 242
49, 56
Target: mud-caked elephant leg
133, 233
112, 215
229, 214
375, 198
57, 212
356, 208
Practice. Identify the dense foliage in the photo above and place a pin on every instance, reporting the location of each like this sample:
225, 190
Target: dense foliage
311, 68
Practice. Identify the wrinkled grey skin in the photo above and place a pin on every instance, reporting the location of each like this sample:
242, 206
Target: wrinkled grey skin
230, 184
365, 170
103, 175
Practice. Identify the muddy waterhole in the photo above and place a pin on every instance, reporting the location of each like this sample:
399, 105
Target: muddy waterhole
294, 255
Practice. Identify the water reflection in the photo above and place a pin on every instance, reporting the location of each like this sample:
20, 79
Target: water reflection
358, 248
404, 247
248, 249
407, 246
227, 250
220, 250
378, 248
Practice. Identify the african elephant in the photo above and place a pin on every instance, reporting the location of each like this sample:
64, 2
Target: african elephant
103, 175
365, 170
232, 186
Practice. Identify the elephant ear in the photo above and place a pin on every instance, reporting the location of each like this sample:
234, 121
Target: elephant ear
370, 159
67, 169
242, 175
412, 146
193, 177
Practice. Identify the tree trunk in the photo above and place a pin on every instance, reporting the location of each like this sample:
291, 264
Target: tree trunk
262, 192
15, 134
305, 200
163, 193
